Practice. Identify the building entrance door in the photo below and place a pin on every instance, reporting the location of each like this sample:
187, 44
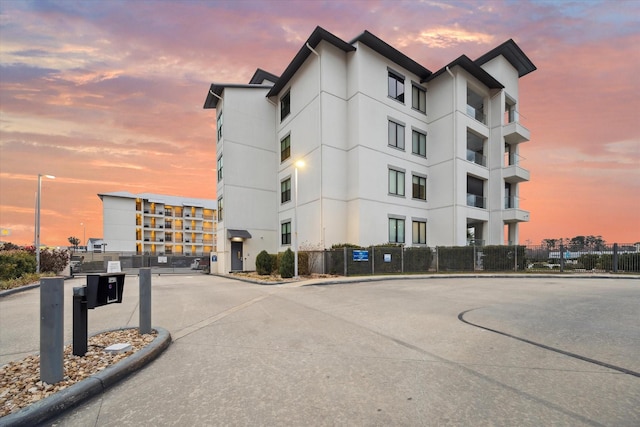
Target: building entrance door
236, 256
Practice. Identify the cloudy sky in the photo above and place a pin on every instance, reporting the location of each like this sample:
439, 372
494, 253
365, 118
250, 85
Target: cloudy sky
108, 95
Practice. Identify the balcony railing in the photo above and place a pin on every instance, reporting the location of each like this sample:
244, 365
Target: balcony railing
476, 114
476, 201
476, 157
511, 202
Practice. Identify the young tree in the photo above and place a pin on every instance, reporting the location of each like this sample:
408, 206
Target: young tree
74, 242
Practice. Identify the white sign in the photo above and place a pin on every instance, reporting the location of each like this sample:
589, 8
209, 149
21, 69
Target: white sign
162, 260
113, 267
387, 257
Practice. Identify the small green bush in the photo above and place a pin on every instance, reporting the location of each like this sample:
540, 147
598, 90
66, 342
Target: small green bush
287, 264
16, 263
264, 264
303, 263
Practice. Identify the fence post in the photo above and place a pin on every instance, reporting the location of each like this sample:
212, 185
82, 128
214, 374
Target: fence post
515, 256
437, 259
345, 260
615, 257
144, 283
561, 258
373, 261
401, 259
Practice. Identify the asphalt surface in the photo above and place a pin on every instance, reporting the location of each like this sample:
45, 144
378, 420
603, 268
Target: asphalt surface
417, 352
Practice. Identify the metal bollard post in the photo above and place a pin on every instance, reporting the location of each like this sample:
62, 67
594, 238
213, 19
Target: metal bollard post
80, 322
145, 301
51, 329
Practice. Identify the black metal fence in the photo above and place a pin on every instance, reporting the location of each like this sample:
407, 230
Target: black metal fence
616, 258
132, 263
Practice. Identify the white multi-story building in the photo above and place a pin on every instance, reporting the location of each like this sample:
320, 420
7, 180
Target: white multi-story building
392, 152
157, 224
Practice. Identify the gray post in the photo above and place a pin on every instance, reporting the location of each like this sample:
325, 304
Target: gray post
561, 258
80, 322
51, 329
145, 301
615, 257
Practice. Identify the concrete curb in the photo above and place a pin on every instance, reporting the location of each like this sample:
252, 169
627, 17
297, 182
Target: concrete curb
54, 405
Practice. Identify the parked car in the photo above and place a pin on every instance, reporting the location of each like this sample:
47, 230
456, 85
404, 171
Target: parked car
195, 265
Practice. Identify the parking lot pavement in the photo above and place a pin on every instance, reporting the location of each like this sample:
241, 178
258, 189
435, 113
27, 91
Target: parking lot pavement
396, 352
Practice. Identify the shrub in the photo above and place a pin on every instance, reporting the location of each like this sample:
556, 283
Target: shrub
287, 264
502, 258
303, 263
456, 258
54, 260
16, 263
589, 261
264, 263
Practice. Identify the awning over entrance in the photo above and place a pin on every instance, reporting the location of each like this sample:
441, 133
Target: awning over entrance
238, 234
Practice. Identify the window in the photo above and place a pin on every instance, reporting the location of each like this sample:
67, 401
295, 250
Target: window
419, 187
419, 143
418, 98
285, 148
220, 209
475, 192
396, 135
285, 105
285, 190
285, 233
396, 182
419, 233
396, 230
219, 168
219, 127
396, 86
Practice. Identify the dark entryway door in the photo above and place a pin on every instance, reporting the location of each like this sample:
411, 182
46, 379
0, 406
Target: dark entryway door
236, 256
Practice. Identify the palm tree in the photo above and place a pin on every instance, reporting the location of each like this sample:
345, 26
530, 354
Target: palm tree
74, 241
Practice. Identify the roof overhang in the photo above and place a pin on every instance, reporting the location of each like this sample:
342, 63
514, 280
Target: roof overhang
472, 68
318, 35
512, 53
393, 54
238, 235
216, 89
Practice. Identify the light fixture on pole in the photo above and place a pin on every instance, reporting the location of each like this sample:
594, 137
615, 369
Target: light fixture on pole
298, 164
38, 219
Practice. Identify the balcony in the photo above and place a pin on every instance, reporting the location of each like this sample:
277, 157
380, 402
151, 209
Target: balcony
476, 157
515, 215
515, 173
477, 114
476, 201
515, 133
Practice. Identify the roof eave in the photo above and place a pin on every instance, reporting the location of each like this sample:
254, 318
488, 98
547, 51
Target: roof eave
512, 53
318, 35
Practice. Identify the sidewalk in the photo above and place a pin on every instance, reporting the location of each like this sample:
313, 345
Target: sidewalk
378, 351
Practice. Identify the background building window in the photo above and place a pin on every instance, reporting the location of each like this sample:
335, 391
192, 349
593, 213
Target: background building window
220, 210
285, 106
396, 135
285, 233
285, 148
419, 233
396, 87
419, 187
219, 168
419, 143
396, 230
285, 190
219, 127
396, 182
418, 99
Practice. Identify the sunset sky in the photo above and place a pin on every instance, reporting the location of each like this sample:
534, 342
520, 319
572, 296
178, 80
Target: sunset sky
108, 95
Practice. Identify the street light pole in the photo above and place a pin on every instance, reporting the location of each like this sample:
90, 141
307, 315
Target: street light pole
298, 164
38, 219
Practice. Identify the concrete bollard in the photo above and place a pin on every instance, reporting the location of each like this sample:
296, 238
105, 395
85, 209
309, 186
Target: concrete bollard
52, 329
145, 301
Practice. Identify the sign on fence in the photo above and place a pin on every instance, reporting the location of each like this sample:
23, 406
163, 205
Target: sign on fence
359, 255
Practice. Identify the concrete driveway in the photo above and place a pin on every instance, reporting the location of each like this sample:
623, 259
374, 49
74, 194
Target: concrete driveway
414, 352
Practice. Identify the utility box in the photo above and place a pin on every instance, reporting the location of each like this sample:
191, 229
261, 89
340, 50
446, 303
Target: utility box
103, 289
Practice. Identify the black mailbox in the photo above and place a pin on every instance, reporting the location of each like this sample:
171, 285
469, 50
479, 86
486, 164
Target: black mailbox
103, 289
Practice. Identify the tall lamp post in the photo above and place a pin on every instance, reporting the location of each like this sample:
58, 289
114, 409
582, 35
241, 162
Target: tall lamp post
38, 219
298, 164
84, 235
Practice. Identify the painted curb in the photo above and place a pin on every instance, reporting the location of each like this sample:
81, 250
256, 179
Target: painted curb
66, 399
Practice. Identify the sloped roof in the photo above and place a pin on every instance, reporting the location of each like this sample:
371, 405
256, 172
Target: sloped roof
392, 53
512, 53
472, 68
318, 35
261, 75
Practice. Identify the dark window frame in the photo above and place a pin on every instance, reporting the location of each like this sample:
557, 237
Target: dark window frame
395, 86
419, 188
285, 190
285, 148
285, 233
285, 105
